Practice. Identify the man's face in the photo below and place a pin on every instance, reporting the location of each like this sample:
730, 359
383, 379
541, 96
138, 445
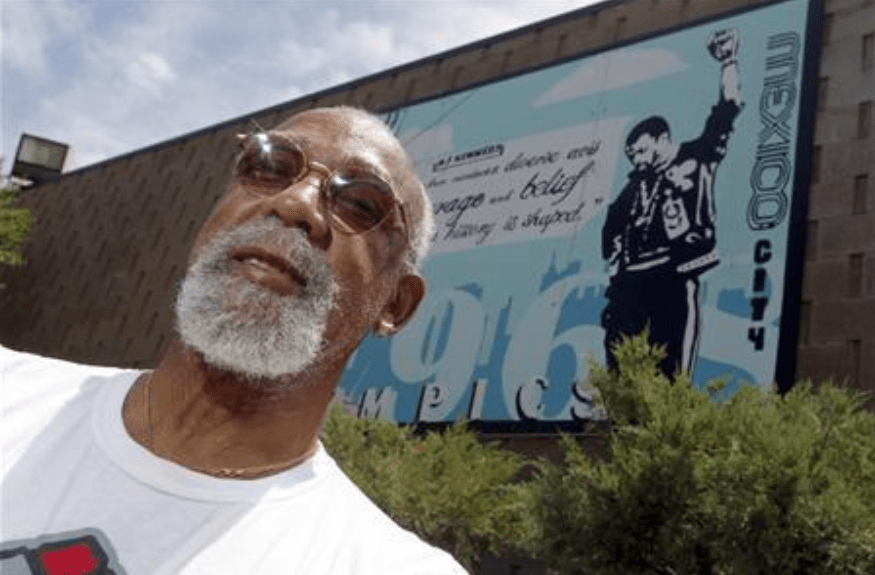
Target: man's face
643, 153
293, 288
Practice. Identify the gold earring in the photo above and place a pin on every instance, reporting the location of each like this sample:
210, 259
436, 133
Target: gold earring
384, 328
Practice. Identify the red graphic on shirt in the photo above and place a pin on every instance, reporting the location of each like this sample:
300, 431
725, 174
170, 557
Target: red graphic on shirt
77, 559
83, 553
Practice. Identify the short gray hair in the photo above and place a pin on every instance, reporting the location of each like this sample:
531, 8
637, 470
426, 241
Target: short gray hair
421, 232
420, 219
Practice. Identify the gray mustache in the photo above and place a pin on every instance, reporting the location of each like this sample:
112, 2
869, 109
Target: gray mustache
290, 244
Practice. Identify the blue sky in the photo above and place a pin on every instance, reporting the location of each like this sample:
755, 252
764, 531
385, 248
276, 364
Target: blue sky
112, 76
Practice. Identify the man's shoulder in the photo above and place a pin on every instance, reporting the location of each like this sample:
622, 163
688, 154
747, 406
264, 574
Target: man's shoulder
19, 365
26, 378
384, 545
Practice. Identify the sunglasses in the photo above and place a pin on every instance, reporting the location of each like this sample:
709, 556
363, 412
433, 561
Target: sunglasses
356, 200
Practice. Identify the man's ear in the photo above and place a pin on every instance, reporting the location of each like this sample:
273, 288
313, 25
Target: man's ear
409, 291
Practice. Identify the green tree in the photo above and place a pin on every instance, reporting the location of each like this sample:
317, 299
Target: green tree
756, 484
15, 224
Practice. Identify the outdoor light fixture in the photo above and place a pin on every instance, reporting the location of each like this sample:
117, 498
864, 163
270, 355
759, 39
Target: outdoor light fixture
39, 160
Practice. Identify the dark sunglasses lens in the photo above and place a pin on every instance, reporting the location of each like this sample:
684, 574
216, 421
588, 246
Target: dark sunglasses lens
269, 164
358, 203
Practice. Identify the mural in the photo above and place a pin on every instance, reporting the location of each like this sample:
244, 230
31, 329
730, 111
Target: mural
650, 186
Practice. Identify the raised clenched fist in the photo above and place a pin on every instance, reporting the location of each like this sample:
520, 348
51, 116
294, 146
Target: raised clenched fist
723, 45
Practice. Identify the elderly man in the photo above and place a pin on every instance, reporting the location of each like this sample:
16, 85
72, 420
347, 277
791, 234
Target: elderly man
211, 463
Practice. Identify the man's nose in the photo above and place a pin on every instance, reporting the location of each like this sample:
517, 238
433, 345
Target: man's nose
300, 206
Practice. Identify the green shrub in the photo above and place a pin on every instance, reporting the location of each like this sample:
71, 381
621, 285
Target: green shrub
449, 488
756, 484
14, 226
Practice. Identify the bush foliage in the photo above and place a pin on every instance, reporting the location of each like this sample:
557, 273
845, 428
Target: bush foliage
447, 487
14, 227
754, 484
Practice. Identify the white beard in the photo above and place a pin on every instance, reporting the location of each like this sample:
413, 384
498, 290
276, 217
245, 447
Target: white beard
246, 327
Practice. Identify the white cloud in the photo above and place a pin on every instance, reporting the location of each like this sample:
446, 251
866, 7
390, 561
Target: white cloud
116, 76
610, 71
29, 28
150, 71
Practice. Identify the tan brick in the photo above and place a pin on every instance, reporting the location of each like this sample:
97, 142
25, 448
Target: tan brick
843, 159
821, 362
528, 55
841, 320
867, 371
825, 280
831, 199
586, 33
656, 14
847, 234
869, 277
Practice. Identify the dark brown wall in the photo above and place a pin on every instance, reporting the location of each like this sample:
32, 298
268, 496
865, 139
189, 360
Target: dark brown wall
837, 331
110, 241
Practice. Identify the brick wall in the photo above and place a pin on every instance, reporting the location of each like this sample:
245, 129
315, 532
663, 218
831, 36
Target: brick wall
110, 241
837, 321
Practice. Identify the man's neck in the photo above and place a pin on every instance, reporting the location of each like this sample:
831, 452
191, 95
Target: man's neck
220, 423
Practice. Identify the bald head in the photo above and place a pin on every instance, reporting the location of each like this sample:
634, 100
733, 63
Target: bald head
369, 129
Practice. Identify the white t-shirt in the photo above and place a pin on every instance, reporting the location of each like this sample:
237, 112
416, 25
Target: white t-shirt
77, 492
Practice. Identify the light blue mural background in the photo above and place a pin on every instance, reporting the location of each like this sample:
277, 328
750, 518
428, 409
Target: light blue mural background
521, 318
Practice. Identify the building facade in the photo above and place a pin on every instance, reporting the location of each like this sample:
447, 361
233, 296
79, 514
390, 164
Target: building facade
110, 241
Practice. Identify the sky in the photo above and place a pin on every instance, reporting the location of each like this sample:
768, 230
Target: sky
112, 76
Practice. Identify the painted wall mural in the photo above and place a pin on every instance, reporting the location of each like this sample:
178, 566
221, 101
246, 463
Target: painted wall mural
656, 185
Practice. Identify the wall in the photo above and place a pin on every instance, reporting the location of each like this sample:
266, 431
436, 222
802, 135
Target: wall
837, 319
110, 241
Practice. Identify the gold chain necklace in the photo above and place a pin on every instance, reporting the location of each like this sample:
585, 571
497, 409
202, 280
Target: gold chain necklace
225, 472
